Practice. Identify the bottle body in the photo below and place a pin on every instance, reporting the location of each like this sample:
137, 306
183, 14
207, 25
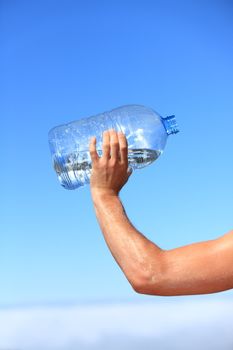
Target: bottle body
145, 130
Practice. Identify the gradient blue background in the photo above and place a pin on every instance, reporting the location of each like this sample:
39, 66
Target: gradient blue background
65, 60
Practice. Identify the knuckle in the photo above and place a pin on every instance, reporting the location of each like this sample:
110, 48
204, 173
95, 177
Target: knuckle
93, 154
113, 163
103, 163
122, 137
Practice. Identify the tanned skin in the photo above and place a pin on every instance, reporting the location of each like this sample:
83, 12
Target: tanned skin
199, 268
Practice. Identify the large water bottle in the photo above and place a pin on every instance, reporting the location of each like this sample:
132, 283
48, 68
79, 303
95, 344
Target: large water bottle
146, 132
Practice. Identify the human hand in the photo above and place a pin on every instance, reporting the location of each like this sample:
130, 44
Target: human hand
109, 172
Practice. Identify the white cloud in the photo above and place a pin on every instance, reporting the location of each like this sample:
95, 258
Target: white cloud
167, 324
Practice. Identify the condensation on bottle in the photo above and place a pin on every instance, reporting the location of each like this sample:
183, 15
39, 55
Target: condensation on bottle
145, 130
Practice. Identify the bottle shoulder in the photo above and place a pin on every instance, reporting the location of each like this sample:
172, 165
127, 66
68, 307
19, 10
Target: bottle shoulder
134, 107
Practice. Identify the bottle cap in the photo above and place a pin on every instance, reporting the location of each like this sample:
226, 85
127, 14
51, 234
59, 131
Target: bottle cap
170, 124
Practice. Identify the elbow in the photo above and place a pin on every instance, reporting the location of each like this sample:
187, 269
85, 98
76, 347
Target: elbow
150, 284
146, 287
140, 287
153, 280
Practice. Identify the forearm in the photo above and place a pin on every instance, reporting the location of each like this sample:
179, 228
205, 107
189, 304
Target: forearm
132, 251
198, 268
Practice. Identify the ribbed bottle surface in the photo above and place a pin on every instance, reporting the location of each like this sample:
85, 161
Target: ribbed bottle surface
144, 129
74, 169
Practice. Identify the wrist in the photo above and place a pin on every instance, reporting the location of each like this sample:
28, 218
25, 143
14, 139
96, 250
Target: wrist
103, 194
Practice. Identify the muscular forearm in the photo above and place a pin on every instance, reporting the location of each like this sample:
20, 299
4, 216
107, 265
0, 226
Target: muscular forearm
198, 268
204, 267
132, 251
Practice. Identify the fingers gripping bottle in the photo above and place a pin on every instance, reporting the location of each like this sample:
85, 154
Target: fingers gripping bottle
146, 132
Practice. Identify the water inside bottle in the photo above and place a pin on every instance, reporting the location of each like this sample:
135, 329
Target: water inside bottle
74, 169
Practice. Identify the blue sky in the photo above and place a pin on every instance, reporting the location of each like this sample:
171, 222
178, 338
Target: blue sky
65, 60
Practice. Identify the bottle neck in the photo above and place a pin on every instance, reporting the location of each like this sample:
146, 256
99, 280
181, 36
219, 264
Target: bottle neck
170, 125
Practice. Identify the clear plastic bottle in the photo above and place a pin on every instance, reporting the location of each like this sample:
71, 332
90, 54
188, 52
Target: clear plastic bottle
146, 132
